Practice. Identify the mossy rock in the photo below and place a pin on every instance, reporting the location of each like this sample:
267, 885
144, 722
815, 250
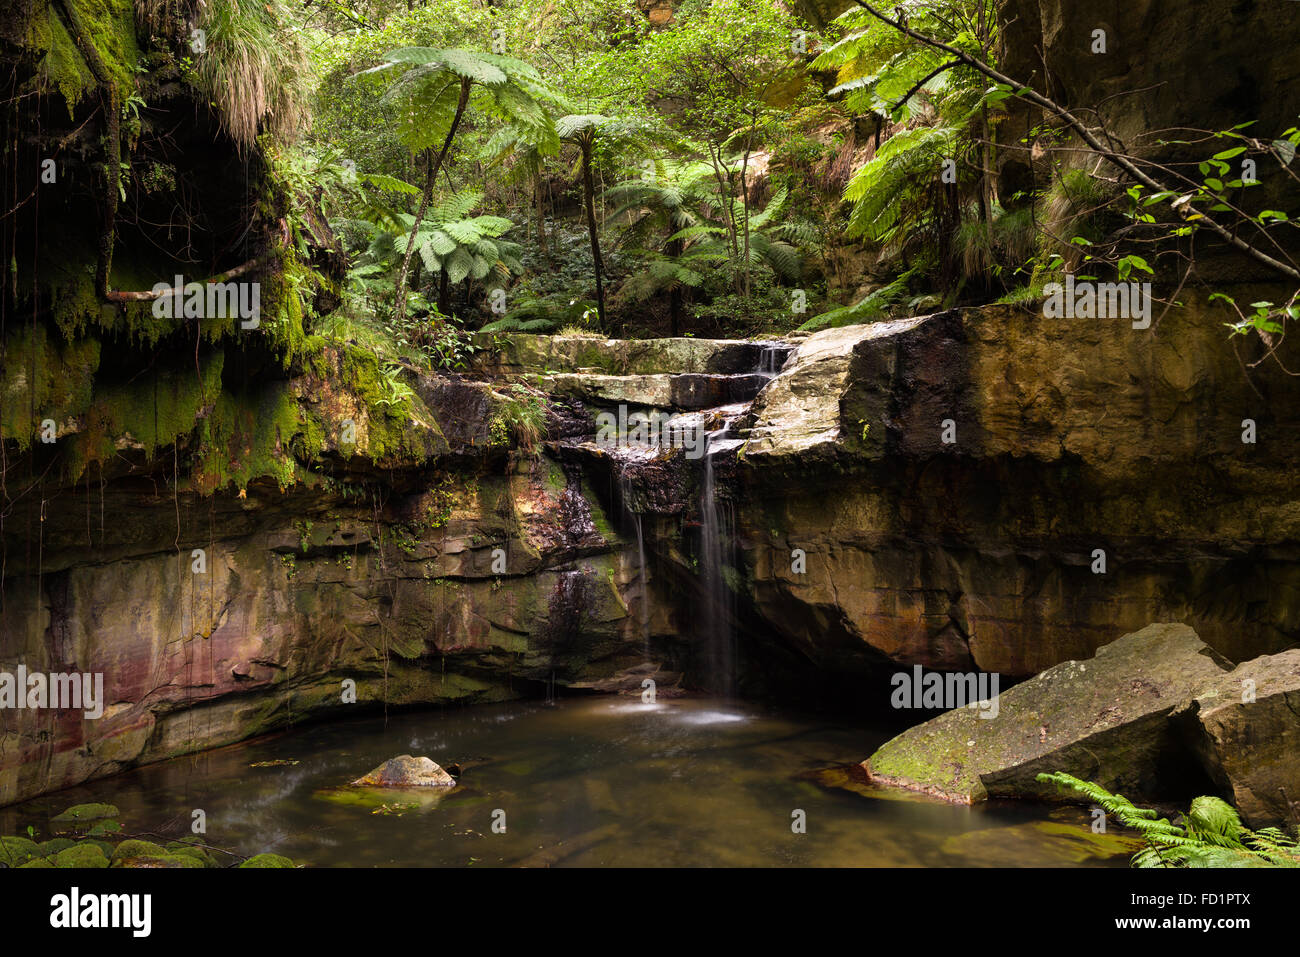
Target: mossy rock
186, 849
53, 846
135, 853
37, 862
267, 860
104, 828
16, 851
81, 855
105, 846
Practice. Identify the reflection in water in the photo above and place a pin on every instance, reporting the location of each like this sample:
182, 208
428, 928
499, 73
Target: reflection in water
590, 781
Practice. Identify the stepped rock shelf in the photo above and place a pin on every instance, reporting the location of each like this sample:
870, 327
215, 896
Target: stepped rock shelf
430, 563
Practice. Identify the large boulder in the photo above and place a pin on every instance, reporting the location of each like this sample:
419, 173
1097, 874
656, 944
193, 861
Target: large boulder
1105, 720
407, 772
1249, 722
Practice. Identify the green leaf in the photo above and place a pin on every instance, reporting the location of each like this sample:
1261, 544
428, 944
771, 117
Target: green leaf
459, 265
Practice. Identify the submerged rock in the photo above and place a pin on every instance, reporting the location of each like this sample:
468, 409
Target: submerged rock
1105, 720
87, 813
407, 772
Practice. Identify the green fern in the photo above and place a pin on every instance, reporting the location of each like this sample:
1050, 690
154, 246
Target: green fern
1211, 835
869, 309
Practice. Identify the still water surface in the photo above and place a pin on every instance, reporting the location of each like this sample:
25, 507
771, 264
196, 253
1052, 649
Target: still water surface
603, 781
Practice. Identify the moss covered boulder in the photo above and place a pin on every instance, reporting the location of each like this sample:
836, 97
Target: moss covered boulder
16, 851
267, 860
85, 817
135, 853
407, 772
1105, 720
81, 856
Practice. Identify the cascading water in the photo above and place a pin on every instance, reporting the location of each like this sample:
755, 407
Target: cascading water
643, 584
714, 553
773, 358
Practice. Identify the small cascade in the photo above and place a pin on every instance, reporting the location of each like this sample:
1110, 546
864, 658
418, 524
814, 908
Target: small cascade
643, 583
715, 555
669, 462
772, 358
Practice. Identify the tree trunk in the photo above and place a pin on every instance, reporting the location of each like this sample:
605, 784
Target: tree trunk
399, 308
444, 292
674, 250
541, 220
744, 191
589, 200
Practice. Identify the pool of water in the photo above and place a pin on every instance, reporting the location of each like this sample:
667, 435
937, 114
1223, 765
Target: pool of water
603, 781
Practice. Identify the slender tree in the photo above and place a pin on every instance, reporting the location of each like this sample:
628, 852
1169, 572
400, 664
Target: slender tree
435, 91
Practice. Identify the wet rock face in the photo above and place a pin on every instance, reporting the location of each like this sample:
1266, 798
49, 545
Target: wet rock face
993, 489
213, 619
407, 772
1167, 64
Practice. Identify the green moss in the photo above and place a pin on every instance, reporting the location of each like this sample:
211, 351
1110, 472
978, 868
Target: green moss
81, 855
254, 435
134, 853
267, 860
43, 379
17, 850
137, 848
107, 25
185, 848
39, 862
52, 847
153, 412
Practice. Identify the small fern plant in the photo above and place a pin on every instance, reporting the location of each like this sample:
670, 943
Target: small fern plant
1211, 833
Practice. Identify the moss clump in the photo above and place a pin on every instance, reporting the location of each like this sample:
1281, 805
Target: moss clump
135, 853
52, 847
40, 862
43, 379
16, 851
186, 848
267, 860
81, 855
106, 25
137, 848
255, 435
87, 812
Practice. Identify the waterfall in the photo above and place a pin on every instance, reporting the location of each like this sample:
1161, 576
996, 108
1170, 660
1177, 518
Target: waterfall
772, 358
643, 583
714, 552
